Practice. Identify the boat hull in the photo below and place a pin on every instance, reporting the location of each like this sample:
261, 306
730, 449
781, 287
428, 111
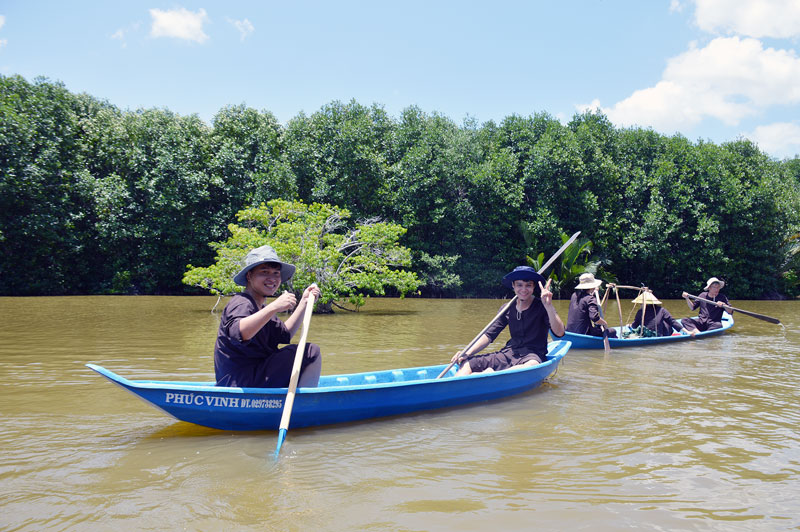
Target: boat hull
583, 341
338, 398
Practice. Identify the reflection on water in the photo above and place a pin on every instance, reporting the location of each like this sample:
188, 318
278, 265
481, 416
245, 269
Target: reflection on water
697, 436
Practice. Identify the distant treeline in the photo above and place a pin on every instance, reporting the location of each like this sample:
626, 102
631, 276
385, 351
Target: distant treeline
98, 200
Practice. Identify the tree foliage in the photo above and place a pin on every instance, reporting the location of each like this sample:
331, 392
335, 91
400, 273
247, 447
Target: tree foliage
98, 200
347, 261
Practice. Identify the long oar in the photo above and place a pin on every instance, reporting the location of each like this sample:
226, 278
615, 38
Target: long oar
606, 343
745, 312
298, 361
513, 300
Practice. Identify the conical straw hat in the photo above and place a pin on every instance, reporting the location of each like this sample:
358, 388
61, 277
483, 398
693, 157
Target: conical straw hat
648, 297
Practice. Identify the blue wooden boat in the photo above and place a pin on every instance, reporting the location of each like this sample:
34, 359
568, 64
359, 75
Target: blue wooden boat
584, 341
338, 398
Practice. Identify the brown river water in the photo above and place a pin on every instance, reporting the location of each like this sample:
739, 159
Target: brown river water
701, 435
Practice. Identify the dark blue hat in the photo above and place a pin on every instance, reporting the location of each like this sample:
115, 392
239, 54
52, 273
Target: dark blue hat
522, 273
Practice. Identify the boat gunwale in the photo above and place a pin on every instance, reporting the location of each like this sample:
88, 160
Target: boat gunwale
554, 356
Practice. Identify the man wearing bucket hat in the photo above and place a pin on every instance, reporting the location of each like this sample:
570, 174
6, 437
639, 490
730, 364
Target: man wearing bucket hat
583, 310
246, 353
710, 315
656, 318
529, 322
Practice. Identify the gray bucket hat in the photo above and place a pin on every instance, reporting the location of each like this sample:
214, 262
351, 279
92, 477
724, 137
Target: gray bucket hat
260, 256
587, 282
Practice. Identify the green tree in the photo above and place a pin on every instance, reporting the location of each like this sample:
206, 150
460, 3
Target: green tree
348, 263
248, 161
93, 199
339, 156
48, 244
155, 201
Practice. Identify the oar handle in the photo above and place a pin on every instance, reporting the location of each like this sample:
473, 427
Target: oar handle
708, 300
298, 362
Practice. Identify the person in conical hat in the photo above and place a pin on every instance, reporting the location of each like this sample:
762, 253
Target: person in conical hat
246, 353
656, 318
584, 316
710, 315
646, 297
529, 321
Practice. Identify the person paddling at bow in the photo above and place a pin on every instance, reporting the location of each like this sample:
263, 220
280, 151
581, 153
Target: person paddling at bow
246, 353
710, 315
528, 321
584, 316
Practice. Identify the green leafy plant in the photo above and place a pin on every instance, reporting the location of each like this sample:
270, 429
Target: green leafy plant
573, 262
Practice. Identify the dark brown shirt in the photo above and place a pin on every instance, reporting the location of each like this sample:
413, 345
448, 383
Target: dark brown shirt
583, 312
236, 361
528, 331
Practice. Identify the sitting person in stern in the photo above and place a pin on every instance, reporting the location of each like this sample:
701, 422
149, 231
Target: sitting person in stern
529, 321
584, 313
710, 315
246, 353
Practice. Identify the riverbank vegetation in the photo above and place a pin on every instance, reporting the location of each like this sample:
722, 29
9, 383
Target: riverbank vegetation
94, 199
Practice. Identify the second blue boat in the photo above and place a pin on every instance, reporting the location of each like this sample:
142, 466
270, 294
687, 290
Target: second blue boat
583, 341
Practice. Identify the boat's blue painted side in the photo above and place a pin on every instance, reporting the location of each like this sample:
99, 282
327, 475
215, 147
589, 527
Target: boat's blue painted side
583, 341
339, 398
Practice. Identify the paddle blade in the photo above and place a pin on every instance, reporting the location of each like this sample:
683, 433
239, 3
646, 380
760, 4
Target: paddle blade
769, 319
281, 437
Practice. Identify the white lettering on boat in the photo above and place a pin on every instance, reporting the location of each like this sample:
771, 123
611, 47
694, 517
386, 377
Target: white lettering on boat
217, 401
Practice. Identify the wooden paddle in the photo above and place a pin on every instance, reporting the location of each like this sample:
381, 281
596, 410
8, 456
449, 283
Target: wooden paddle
298, 362
606, 343
745, 312
513, 300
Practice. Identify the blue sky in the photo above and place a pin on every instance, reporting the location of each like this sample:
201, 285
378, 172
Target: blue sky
708, 69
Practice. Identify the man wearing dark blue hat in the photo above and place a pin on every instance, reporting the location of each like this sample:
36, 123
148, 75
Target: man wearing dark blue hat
246, 353
528, 321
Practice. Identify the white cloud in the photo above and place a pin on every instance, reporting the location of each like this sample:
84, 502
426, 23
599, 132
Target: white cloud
244, 27
782, 138
179, 23
729, 79
762, 18
119, 35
